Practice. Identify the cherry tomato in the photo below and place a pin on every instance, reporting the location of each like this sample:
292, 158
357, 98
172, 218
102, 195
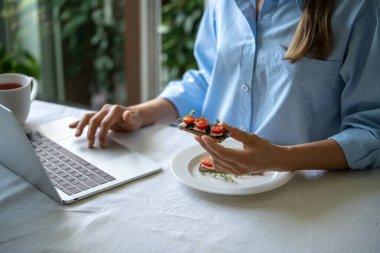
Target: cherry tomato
201, 123
217, 129
206, 161
188, 120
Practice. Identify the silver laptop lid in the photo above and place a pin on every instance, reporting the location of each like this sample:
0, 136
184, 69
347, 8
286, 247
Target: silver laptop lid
17, 154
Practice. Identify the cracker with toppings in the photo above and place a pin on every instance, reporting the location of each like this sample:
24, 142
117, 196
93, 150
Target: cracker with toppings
201, 126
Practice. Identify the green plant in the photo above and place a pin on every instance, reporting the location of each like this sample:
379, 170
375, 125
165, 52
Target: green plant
15, 58
91, 37
91, 34
18, 61
180, 22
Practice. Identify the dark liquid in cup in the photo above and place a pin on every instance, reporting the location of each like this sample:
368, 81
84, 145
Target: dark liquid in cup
9, 86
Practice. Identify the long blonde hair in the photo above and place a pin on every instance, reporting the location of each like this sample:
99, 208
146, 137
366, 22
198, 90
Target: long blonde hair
313, 36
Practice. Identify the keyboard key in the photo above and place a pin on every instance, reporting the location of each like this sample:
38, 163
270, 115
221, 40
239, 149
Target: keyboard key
66, 191
65, 159
68, 177
98, 179
45, 163
109, 178
69, 187
81, 177
82, 186
75, 181
49, 149
55, 145
88, 173
54, 178
48, 157
76, 166
59, 164
102, 174
65, 167
54, 160
50, 166
55, 153
75, 173
82, 170
74, 190
90, 183
71, 163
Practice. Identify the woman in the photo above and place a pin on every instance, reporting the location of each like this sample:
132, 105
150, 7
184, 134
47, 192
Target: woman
302, 75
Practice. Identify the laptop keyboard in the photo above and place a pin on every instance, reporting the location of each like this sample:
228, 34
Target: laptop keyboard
68, 172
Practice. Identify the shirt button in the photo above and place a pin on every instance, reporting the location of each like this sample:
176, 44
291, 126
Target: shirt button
245, 88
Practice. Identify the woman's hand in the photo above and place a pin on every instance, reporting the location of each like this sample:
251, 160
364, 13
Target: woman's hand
110, 117
258, 154
121, 118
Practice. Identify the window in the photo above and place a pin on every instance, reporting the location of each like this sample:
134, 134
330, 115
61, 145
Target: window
91, 52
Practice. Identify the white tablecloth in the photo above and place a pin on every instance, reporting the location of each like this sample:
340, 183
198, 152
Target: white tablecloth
314, 212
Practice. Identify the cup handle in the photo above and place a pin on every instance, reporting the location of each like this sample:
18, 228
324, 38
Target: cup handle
33, 94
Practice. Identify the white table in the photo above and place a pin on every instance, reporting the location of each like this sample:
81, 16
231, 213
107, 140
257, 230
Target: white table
314, 212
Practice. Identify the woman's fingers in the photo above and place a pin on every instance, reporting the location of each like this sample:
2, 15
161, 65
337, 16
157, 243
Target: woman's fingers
223, 158
205, 147
93, 126
109, 117
236, 133
109, 120
218, 149
221, 166
83, 123
74, 124
258, 155
104, 127
213, 154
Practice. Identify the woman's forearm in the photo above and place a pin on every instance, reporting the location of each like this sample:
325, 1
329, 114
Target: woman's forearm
158, 110
323, 155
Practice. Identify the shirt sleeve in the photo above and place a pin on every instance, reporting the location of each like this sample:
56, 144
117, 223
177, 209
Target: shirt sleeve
360, 99
189, 93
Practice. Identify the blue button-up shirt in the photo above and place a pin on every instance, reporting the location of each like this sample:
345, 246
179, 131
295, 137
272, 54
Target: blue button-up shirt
243, 80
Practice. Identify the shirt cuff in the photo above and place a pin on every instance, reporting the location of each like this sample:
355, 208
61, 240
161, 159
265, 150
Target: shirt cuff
186, 94
361, 148
174, 94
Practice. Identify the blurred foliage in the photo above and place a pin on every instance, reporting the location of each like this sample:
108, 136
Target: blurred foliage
15, 58
92, 33
18, 61
180, 22
92, 36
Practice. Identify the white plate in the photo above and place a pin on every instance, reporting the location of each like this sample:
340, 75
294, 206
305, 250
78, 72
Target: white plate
185, 168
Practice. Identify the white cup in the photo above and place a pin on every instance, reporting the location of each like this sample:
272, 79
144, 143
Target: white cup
17, 91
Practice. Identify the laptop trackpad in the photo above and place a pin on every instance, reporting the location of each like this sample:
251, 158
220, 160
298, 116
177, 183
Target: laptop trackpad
96, 155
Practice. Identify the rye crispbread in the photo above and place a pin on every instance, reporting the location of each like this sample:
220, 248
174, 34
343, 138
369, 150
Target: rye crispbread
217, 139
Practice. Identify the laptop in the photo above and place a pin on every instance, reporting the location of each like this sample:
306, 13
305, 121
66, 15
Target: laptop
60, 165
